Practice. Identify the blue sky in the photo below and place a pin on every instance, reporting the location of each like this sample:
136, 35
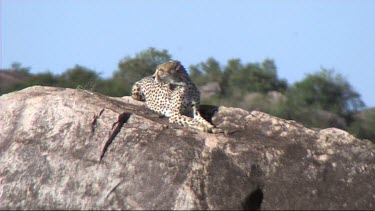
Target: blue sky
300, 36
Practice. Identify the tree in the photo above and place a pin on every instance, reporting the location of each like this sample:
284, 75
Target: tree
321, 91
364, 125
253, 77
327, 91
17, 66
143, 64
43, 79
133, 69
78, 76
237, 78
204, 72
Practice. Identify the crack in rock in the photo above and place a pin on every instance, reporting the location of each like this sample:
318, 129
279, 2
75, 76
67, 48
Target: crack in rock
122, 119
93, 124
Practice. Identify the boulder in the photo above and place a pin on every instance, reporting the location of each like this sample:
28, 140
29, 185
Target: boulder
210, 89
265, 102
74, 149
276, 98
11, 77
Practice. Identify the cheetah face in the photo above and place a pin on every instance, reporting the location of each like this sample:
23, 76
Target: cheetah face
170, 72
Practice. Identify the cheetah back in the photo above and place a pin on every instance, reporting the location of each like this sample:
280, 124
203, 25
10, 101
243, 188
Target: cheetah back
166, 99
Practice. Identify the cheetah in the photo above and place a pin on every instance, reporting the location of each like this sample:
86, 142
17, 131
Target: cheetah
171, 93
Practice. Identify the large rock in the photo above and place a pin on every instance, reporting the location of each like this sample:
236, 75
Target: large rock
210, 89
52, 139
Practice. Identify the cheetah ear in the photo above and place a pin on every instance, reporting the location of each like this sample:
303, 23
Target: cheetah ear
157, 69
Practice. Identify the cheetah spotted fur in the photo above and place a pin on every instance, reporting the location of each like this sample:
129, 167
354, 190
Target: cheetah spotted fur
171, 93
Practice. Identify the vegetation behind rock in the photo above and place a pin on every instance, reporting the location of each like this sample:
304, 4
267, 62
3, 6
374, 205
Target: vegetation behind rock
322, 99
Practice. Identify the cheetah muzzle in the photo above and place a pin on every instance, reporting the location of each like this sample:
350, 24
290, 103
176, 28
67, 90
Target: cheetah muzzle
171, 93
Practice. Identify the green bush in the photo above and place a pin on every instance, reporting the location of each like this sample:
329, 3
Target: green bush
322, 99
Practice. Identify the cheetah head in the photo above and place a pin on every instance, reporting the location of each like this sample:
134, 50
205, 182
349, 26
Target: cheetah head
171, 72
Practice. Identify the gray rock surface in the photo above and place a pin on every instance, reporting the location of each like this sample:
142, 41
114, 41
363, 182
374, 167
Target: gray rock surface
51, 141
210, 89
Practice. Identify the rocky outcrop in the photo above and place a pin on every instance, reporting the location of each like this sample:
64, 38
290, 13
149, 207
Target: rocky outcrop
209, 90
52, 141
9, 77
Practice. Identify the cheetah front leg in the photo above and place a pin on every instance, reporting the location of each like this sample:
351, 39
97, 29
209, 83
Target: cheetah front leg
137, 94
197, 116
186, 121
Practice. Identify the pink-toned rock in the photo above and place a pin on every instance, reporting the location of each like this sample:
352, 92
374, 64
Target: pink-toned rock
52, 140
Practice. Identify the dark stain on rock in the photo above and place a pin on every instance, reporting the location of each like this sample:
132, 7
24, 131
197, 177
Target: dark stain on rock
253, 201
122, 119
93, 124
